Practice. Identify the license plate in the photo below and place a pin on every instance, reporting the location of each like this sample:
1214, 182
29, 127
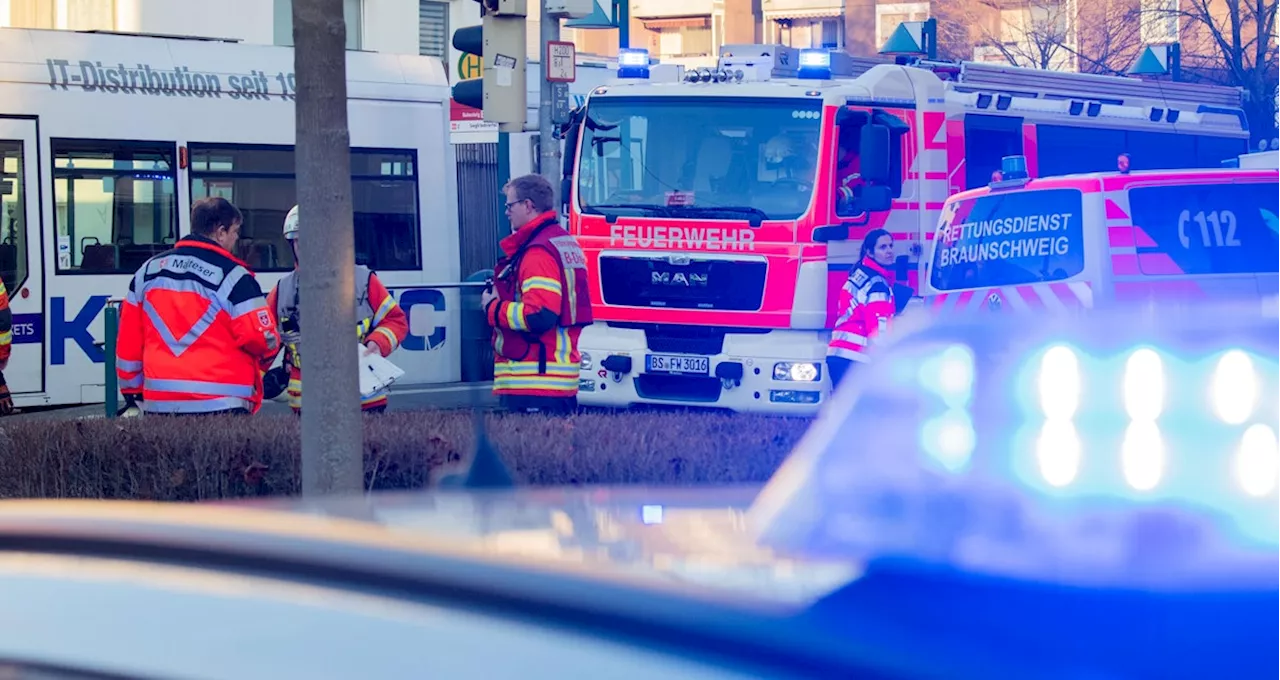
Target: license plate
667, 363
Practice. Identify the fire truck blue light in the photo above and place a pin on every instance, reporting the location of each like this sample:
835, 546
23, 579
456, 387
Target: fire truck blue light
1257, 464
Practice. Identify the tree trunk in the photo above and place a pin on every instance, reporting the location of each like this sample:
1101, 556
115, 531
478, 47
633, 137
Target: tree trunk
332, 436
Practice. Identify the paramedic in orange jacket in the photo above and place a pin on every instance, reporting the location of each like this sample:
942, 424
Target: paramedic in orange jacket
381, 325
6, 345
195, 327
538, 305
865, 306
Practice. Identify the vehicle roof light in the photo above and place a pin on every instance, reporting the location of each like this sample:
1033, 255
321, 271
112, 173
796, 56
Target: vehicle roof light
815, 64
633, 62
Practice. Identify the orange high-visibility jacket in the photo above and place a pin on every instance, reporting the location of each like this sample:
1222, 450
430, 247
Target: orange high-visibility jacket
194, 331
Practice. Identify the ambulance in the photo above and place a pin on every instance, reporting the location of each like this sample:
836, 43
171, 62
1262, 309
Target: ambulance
717, 237
1145, 240
107, 139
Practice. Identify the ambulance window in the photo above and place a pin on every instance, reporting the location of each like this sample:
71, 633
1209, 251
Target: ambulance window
1009, 239
1206, 229
13, 216
260, 181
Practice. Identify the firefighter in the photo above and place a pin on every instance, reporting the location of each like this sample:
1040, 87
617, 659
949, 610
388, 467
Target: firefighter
195, 326
6, 345
381, 325
865, 307
538, 304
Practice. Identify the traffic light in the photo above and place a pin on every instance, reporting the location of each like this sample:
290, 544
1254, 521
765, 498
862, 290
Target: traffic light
499, 42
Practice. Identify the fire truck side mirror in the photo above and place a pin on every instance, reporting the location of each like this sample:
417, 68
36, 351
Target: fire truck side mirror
874, 149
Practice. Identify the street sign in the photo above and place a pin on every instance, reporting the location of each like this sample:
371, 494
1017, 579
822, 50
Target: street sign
561, 62
559, 103
469, 66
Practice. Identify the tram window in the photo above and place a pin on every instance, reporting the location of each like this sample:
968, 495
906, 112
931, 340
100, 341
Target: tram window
13, 216
114, 202
384, 194
260, 181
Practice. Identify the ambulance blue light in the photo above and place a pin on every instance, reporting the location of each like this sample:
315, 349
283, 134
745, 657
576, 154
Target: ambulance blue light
815, 64
1014, 167
633, 63
1106, 452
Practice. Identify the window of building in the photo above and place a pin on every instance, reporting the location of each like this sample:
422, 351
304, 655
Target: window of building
888, 16
74, 15
819, 33
352, 13
433, 30
680, 37
13, 216
1159, 23
260, 181
114, 204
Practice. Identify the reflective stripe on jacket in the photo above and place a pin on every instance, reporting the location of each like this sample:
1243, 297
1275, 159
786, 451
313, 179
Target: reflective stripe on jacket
866, 308
194, 329
543, 304
378, 318
6, 327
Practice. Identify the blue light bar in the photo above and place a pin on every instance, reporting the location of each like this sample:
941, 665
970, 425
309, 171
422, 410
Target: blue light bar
815, 64
633, 63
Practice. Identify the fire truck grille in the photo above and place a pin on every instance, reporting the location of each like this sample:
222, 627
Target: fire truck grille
693, 284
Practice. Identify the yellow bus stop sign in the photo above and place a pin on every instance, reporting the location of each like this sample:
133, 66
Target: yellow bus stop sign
470, 66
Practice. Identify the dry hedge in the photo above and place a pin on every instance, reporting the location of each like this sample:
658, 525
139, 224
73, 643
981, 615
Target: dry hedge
180, 459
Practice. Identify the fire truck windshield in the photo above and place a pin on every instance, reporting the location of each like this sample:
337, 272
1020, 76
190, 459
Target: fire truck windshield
718, 157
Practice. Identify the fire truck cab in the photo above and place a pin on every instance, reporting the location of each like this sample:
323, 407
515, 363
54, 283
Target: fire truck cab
1142, 240
721, 209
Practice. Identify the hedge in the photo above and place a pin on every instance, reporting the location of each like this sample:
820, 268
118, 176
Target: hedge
190, 459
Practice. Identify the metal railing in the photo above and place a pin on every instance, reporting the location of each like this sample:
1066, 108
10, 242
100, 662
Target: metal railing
111, 328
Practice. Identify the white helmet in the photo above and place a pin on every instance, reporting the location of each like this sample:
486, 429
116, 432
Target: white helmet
291, 224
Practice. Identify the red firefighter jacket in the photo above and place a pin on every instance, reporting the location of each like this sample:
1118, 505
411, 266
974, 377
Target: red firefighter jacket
194, 329
378, 318
543, 303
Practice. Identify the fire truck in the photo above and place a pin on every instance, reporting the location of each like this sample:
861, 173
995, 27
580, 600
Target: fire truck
721, 209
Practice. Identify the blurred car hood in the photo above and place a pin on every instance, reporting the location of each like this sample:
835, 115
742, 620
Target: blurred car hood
686, 536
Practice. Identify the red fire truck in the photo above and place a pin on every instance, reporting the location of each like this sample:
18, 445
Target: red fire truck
721, 209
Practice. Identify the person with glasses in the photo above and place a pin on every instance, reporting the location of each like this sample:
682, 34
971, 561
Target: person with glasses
538, 304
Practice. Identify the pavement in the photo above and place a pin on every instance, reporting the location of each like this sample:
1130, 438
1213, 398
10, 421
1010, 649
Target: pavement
408, 398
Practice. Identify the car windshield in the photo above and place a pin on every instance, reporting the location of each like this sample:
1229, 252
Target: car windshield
718, 158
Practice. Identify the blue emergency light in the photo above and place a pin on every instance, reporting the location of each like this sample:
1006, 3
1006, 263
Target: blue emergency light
815, 64
633, 63
1101, 494
1014, 167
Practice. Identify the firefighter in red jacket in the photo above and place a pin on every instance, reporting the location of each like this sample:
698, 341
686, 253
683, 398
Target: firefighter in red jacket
6, 344
865, 306
194, 327
381, 324
539, 304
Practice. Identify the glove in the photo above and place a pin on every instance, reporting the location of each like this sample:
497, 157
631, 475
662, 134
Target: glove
6, 401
